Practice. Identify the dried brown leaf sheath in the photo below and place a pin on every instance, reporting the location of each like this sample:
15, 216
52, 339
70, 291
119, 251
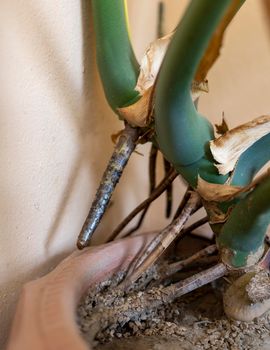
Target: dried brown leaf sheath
140, 113
228, 148
216, 192
222, 193
213, 49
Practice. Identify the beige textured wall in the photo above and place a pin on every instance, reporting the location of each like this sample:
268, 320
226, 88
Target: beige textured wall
55, 125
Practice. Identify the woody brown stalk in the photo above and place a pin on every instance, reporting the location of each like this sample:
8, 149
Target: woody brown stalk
122, 152
162, 241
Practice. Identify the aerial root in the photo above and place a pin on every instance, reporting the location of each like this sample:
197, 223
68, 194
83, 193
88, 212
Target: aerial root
121, 154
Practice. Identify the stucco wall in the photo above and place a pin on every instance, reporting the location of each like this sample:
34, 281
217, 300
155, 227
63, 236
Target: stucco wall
55, 125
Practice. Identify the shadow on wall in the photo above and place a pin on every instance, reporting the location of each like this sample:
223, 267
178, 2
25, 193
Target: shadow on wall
87, 119
266, 13
95, 129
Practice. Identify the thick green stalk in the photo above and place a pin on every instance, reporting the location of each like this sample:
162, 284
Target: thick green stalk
251, 161
182, 133
242, 237
117, 64
203, 167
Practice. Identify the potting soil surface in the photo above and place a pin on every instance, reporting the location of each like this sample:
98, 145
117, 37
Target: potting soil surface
195, 321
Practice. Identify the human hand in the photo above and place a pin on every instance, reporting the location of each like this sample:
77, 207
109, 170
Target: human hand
45, 317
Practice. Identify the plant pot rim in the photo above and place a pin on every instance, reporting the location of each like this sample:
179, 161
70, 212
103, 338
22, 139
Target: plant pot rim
45, 316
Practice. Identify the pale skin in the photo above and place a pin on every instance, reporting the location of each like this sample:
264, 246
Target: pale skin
45, 315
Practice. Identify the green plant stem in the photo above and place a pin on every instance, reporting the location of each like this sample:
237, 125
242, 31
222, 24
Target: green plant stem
251, 161
242, 237
182, 132
117, 64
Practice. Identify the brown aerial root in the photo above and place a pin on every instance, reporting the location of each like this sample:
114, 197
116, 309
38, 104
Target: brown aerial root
180, 265
161, 241
121, 154
152, 185
155, 194
194, 226
169, 189
183, 202
165, 273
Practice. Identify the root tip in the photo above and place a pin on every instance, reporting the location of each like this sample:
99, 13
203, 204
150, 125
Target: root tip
81, 244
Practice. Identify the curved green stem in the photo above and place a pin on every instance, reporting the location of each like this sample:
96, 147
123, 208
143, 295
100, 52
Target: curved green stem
204, 167
182, 132
242, 237
251, 161
117, 64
